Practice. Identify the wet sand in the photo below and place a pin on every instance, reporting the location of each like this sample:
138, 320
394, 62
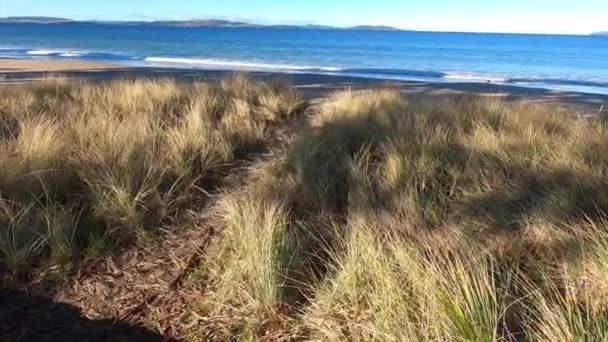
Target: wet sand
14, 71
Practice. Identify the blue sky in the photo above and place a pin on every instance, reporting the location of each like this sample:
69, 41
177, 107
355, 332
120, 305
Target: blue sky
534, 16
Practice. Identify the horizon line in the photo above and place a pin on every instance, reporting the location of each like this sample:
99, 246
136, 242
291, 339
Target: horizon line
261, 23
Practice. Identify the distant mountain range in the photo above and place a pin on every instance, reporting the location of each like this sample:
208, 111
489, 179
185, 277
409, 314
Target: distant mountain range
35, 20
187, 23
605, 33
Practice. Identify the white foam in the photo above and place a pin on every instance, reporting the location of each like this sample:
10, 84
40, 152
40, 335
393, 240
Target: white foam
42, 52
239, 65
60, 53
71, 54
466, 76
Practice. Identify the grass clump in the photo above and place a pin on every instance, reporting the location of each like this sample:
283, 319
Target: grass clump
85, 165
248, 270
391, 288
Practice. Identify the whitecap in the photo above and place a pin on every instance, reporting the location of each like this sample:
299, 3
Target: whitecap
238, 65
473, 77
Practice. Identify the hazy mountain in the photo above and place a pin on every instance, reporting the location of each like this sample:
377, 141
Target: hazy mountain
186, 23
35, 20
189, 23
605, 33
374, 28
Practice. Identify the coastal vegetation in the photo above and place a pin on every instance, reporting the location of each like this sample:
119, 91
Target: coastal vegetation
87, 167
367, 216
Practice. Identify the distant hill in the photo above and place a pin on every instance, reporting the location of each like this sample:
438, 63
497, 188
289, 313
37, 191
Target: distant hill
374, 28
185, 23
605, 33
35, 20
190, 23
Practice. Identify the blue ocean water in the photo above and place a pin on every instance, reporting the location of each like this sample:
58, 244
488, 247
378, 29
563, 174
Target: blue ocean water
549, 61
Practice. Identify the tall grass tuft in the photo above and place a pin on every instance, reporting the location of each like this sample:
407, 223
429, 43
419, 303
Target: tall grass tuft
248, 270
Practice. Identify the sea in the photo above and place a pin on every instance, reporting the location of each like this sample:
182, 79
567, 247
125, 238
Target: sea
560, 62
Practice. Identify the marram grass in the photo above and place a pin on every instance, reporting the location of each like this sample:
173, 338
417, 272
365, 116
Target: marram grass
442, 219
86, 166
387, 219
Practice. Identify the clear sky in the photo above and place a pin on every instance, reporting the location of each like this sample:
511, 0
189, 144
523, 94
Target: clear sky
533, 16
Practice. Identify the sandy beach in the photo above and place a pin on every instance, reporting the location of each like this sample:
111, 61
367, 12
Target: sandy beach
13, 71
16, 66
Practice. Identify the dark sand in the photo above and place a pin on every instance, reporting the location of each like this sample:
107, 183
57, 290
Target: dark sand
312, 86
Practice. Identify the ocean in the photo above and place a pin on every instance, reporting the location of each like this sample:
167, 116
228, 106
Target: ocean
577, 63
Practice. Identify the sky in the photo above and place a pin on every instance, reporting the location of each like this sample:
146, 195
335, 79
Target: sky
518, 16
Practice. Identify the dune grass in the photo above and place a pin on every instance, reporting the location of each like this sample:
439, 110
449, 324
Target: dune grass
85, 167
386, 219
446, 219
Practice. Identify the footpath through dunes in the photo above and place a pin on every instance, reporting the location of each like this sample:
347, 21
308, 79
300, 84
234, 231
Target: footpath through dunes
144, 284
233, 210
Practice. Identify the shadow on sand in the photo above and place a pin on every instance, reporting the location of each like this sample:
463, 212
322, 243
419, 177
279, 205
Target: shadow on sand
25, 318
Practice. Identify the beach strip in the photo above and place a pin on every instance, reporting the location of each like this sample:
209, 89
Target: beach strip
312, 86
9, 66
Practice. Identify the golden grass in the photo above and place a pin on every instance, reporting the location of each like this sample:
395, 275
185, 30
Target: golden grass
452, 219
246, 270
388, 219
84, 166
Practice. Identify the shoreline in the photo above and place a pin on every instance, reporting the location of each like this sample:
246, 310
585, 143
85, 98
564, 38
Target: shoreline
15, 71
17, 66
